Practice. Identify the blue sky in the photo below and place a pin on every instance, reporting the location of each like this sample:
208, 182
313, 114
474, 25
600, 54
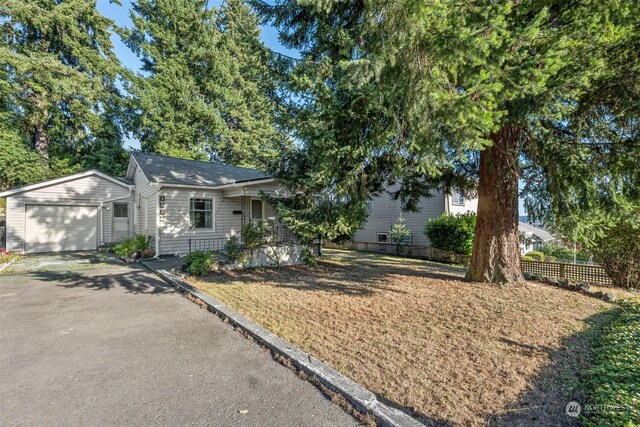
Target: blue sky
120, 15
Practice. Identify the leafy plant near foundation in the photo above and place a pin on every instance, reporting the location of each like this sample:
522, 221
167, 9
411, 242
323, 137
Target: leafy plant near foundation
130, 244
236, 251
261, 237
201, 263
453, 233
307, 258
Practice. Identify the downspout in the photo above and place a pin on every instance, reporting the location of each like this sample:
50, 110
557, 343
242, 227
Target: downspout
447, 208
157, 209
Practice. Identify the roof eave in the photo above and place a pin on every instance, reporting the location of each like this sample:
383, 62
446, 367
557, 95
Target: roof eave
214, 187
63, 179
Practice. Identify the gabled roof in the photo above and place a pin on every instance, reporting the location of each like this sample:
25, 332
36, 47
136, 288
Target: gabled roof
172, 171
120, 181
540, 233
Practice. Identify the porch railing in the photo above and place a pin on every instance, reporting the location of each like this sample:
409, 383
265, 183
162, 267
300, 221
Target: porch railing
281, 235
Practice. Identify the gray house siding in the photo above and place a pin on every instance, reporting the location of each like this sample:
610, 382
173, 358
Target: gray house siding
89, 190
145, 205
175, 227
384, 212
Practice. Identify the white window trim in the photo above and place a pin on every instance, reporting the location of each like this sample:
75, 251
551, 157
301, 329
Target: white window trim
251, 208
146, 214
378, 238
455, 199
213, 214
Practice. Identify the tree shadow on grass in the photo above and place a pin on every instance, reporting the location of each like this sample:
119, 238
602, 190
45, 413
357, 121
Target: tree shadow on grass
351, 278
557, 383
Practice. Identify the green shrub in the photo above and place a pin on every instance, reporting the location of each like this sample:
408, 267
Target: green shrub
201, 263
130, 244
561, 252
307, 258
536, 255
614, 377
255, 234
528, 258
124, 248
235, 250
141, 242
453, 233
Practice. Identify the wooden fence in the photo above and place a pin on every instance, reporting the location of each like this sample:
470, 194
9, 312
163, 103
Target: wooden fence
579, 272
423, 252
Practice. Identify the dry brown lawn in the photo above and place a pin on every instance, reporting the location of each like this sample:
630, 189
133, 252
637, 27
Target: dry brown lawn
447, 351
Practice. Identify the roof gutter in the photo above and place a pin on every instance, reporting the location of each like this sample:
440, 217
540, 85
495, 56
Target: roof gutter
217, 187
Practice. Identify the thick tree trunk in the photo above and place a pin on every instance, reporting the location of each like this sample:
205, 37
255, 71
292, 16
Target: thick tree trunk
41, 141
40, 136
496, 249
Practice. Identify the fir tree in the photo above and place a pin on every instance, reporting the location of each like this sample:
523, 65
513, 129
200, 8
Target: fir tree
59, 74
205, 91
466, 95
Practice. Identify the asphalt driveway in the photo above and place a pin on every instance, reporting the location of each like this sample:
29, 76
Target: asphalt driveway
100, 342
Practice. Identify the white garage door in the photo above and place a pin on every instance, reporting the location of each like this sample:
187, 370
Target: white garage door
52, 228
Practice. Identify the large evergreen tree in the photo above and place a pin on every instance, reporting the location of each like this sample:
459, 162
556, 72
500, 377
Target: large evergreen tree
58, 80
467, 95
205, 91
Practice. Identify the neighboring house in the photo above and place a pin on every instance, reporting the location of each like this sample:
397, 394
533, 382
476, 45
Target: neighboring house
384, 212
532, 238
172, 200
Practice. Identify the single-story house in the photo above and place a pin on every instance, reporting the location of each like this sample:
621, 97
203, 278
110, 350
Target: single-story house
532, 237
172, 200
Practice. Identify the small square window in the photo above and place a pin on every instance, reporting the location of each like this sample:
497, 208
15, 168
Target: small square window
201, 213
120, 210
383, 238
458, 199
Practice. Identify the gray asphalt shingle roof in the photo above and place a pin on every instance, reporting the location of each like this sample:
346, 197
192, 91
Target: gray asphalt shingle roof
541, 233
169, 170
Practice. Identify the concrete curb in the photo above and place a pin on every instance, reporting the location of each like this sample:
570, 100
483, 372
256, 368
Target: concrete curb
358, 396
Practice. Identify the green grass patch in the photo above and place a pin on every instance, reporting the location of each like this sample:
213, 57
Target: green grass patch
9, 257
613, 381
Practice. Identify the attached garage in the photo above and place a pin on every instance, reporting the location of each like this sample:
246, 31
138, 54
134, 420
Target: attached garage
54, 228
73, 213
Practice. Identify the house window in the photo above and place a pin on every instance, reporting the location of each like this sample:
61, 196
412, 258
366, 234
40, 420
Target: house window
383, 238
120, 210
257, 207
458, 199
201, 213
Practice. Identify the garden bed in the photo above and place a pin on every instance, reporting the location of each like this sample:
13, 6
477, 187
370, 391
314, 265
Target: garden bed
413, 332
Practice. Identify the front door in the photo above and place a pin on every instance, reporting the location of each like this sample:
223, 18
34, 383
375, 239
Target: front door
120, 221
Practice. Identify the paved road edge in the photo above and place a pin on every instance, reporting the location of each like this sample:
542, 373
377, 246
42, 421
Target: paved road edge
362, 399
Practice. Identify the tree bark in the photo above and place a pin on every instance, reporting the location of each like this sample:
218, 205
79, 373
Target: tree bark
41, 141
496, 249
40, 136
